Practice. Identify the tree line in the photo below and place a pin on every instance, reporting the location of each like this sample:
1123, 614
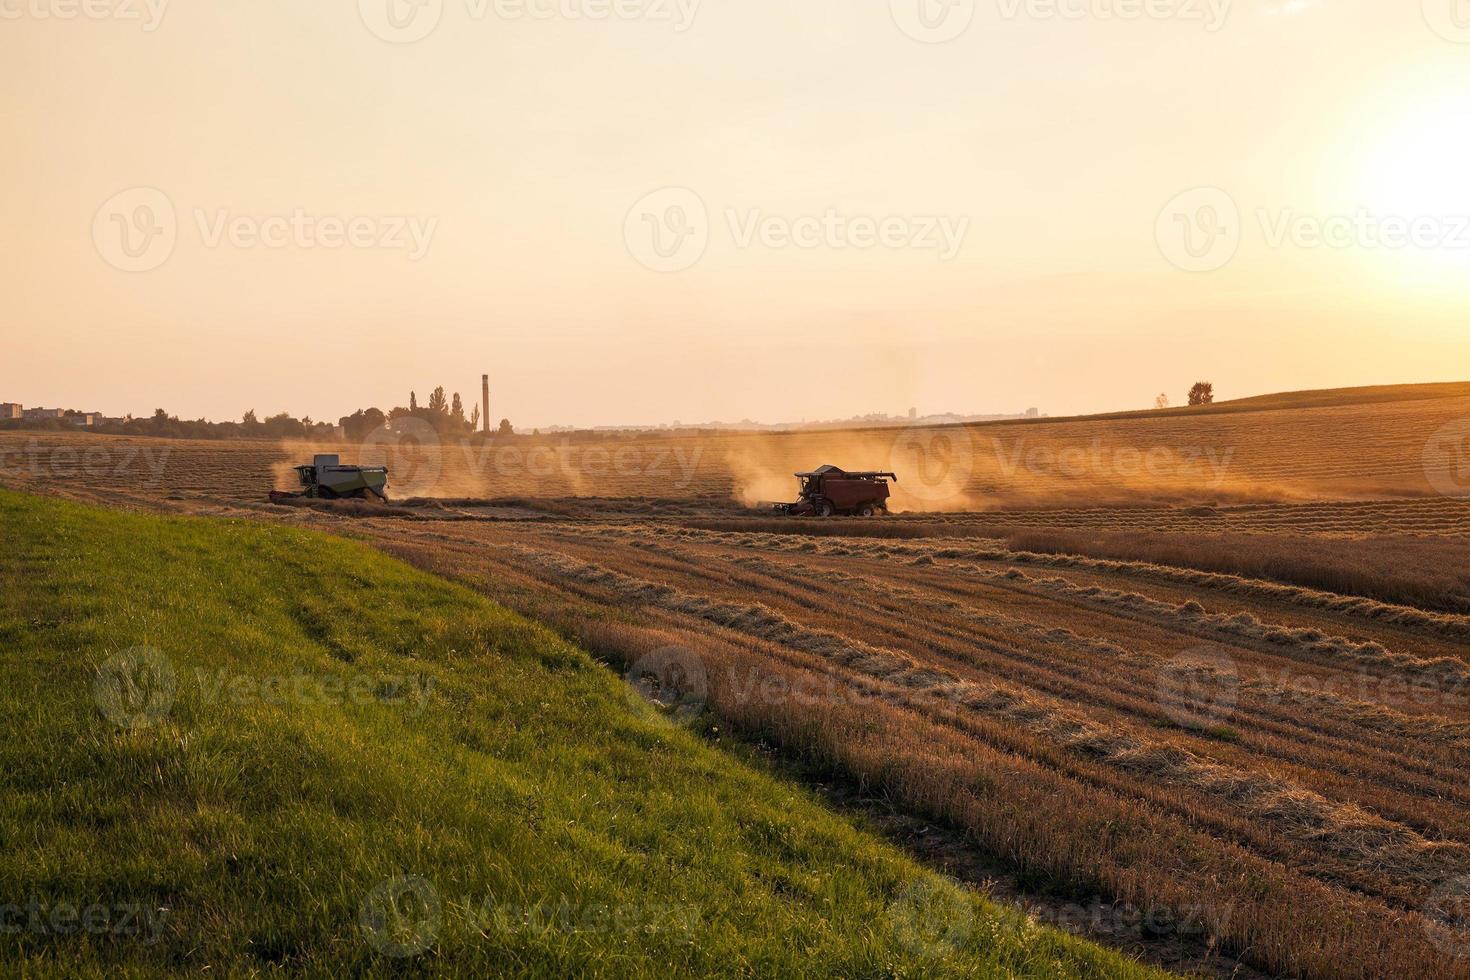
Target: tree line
445, 413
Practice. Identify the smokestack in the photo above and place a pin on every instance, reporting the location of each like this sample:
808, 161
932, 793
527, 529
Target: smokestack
485, 402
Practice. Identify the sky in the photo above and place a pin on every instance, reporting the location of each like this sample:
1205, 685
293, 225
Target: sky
641, 211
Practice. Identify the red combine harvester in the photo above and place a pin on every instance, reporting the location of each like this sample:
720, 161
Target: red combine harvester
828, 490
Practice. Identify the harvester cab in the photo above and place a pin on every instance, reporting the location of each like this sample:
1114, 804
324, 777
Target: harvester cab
830, 490
328, 479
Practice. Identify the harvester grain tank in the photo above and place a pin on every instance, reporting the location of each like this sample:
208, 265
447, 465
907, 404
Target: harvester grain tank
830, 490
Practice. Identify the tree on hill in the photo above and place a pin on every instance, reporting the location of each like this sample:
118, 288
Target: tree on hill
475, 419
506, 429
456, 409
413, 401
1203, 393
1162, 401
438, 404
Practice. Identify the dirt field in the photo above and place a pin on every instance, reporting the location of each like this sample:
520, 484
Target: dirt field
1183, 703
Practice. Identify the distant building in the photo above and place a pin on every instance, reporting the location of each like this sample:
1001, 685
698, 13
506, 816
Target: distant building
913, 414
10, 411
86, 419
44, 414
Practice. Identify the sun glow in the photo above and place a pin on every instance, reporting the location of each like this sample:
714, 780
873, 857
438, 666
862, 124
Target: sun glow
1415, 187
1423, 166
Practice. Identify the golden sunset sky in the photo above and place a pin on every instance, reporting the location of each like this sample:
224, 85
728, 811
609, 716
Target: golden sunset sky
213, 207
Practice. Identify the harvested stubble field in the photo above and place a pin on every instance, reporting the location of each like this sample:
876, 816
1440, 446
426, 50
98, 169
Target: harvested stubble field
1280, 451
1248, 705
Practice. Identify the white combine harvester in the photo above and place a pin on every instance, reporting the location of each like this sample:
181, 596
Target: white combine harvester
326, 478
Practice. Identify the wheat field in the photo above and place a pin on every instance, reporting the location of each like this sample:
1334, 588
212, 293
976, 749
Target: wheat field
1237, 693
1284, 451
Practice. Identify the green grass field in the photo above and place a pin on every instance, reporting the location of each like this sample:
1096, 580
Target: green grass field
251, 749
